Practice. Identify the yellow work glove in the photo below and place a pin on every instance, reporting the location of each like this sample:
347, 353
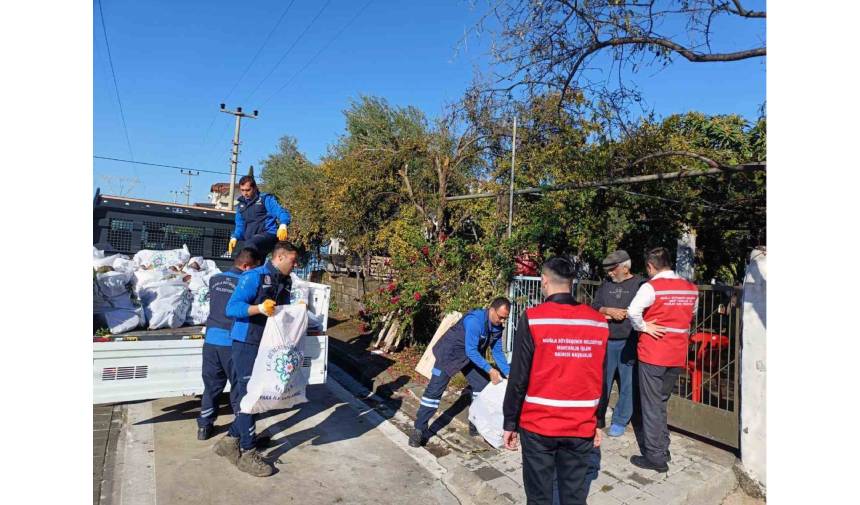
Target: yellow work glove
282, 232
267, 308
231, 245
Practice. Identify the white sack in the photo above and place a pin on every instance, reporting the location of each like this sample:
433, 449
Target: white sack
300, 290
198, 284
277, 381
112, 300
166, 303
148, 258
486, 413
98, 253
107, 261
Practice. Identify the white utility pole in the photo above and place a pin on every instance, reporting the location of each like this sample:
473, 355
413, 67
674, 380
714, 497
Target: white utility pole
234, 160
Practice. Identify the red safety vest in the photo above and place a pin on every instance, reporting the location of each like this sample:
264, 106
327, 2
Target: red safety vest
566, 376
674, 300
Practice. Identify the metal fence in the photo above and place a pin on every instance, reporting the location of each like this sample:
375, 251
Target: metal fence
705, 398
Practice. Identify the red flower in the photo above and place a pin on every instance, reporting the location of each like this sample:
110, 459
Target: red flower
395, 299
416, 296
425, 251
391, 287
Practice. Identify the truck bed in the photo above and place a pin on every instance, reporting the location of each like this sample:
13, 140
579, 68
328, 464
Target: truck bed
181, 333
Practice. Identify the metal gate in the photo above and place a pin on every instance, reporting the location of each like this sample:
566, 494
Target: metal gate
705, 400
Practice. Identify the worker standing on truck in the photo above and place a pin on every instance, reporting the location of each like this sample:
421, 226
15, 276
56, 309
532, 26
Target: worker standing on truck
257, 219
217, 347
257, 294
461, 349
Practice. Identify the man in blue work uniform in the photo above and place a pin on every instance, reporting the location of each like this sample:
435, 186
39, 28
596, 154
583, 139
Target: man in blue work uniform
257, 294
461, 349
217, 346
257, 218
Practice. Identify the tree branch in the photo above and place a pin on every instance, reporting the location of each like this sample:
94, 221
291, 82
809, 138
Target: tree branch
740, 11
662, 154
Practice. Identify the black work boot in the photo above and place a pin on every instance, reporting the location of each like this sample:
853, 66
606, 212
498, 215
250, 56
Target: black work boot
647, 464
252, 463
204, 432
473, 432
416, 438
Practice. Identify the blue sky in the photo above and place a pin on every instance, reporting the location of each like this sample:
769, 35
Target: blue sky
176, 61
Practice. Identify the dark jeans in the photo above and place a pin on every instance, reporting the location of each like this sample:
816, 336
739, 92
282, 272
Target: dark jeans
217, 367
544, 458
244, 425
264, 243
655, 385
621, 356
476, 378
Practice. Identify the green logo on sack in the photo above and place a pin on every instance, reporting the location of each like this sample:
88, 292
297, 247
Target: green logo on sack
286, 364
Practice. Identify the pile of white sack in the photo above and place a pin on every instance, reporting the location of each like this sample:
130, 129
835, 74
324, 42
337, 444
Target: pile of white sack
155, 289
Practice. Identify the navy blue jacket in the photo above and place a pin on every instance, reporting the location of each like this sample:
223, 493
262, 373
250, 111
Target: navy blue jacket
254, 287
259, 215
218, 325
467, 341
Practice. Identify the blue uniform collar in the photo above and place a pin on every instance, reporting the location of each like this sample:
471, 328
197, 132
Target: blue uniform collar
244, 200
485, 316
269, 267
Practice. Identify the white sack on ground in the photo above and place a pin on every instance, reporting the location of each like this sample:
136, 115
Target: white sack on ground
486, 413
277, 381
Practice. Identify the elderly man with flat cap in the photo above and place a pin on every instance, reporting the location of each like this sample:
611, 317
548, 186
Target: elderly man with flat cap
611, 300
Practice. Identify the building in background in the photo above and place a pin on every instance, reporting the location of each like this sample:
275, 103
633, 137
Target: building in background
219, 195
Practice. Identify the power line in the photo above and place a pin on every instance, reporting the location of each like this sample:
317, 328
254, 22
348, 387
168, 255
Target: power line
159, 165
329, 43
308, 27
247, 68
269, 36
115, 85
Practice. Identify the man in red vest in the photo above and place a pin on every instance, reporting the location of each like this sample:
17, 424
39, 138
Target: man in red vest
662, 311
554, 388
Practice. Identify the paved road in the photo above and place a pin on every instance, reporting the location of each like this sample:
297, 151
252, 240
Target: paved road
330, 450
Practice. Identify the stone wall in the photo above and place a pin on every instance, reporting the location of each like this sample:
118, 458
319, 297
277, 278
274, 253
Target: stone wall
754, 373
347, 292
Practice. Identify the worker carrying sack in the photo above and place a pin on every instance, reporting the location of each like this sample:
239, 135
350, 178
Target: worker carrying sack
428, 359
486, 413
277, 381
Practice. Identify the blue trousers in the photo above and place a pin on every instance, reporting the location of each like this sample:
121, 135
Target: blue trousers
620, 356
477, 379
217, 369
244, 425
263, 242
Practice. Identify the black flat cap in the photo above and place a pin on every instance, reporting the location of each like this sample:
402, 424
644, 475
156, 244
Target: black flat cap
615, 258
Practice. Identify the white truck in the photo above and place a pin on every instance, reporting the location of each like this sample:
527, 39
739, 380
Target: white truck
149, 364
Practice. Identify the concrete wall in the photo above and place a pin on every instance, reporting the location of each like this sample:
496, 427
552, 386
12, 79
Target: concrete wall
754, 371
347, 292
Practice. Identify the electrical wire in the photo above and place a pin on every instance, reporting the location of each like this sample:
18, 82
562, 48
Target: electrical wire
289, 50
115, 85
247, 68
315, 56
159, 165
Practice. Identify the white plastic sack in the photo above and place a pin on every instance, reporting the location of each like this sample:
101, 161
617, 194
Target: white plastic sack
107, 261
300, 290
166, 303
486, 413
277, 381
198, 284
98, 253
112, 301
123, 264
148, 258
146, 278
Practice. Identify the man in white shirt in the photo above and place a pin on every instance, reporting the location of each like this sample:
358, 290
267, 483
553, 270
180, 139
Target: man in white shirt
662, 312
